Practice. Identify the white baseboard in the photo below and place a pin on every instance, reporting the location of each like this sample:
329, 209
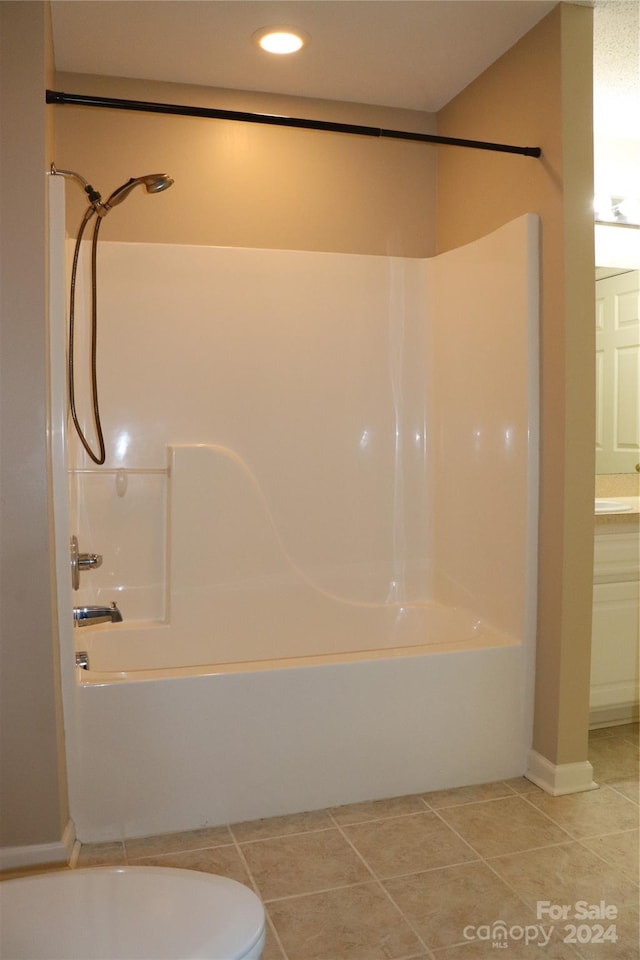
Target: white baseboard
561, 778
40, 854
613, 715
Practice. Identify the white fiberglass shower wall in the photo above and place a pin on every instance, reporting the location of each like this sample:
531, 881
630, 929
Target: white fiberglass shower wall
309, 372
310, 456
371, 424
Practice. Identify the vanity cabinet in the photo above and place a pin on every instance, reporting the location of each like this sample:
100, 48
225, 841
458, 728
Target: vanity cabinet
616, 623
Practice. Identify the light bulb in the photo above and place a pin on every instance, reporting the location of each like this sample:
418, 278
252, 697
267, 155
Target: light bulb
280, 40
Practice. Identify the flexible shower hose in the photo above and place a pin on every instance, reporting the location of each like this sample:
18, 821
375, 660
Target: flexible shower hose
98, 458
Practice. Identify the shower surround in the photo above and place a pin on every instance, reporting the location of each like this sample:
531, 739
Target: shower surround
318, 518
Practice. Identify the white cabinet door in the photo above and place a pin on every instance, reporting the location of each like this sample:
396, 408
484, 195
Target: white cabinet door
614, 650
618, 373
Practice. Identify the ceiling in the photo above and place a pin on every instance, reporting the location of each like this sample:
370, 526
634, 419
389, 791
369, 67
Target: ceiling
616, 67
416, 54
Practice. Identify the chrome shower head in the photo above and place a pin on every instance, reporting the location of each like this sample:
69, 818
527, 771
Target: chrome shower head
153, 183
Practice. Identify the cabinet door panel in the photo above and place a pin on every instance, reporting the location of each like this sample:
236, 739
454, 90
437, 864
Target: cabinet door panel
615, 644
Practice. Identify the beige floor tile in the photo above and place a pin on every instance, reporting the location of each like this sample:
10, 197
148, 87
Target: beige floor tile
470, 794
176, 842
102, 854
626, 947
555, 950
563, 875
281, 826
601, 733
408, 844
620, 850
377, 809
304, 863
628, 788
272, 949
503, 826
440, 904
627, 731
522, 785
20, 872
614, 759
588, 814
356, 923
224, 861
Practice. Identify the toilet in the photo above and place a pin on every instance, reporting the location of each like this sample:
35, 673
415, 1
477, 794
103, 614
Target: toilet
108, 913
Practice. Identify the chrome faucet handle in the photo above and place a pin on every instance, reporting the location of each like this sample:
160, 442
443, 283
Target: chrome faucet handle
81, 561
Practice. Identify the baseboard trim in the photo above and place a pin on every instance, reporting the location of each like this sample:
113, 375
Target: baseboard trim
612, 716
40, 854
560, 778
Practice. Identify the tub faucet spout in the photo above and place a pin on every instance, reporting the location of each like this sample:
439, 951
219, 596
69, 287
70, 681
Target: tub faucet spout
89, 616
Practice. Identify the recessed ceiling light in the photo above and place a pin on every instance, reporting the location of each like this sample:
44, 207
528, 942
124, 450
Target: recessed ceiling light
280, 40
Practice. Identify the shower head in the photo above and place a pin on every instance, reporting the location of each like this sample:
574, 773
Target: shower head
153, 183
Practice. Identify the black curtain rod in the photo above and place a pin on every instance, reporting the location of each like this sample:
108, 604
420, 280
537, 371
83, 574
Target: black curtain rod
144, 106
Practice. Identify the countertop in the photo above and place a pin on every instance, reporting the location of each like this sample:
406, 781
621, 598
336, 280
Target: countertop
627, 520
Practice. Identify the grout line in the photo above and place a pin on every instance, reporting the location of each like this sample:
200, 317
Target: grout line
609, 833
554, 822
530, 905
389, 816
276, 936
458, 834
244, 862
175, 850
619, 870
384, 890
467, 803
269, 922
613, 787
355, 850
510, 853
544, 846
313, 893
283, 836
571, 830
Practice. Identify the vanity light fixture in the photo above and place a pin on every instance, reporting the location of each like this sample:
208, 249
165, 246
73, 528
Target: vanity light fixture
621, 211
280, 40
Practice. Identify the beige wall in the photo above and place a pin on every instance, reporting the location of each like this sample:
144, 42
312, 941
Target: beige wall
243, 184
539, 94
32, 782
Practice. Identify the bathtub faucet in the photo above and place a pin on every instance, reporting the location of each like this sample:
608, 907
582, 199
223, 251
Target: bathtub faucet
89, 616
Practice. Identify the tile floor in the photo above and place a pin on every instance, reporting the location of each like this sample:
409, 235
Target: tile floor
431, 876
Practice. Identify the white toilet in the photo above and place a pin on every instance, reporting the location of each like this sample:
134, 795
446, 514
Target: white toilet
109, 913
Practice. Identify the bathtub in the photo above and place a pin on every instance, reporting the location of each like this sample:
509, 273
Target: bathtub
391, 698
326, 566
162, 750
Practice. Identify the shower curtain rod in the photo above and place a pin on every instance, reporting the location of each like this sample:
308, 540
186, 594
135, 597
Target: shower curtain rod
144, 106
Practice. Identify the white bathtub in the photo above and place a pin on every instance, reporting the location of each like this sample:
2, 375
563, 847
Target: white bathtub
162, 750
328, 590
